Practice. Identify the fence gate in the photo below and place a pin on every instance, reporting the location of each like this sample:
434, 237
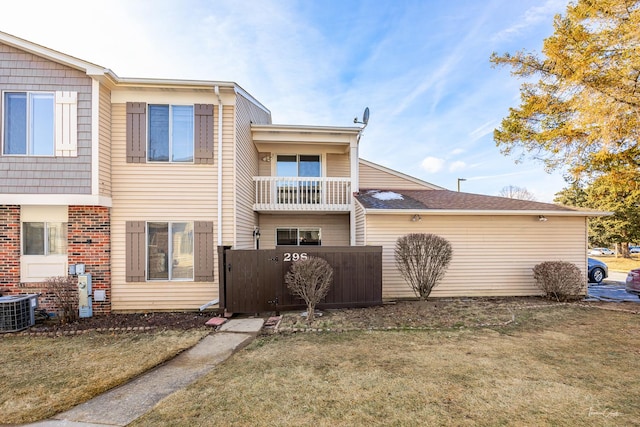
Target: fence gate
252, 281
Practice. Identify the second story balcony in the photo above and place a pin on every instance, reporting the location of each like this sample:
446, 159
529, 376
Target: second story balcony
302, 194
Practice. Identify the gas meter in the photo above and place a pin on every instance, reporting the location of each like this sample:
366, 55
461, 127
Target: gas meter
84, 295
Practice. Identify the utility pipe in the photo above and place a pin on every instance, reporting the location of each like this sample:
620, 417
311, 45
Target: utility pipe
220, 111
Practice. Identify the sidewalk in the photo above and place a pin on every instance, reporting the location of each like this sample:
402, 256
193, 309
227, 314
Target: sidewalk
122, 405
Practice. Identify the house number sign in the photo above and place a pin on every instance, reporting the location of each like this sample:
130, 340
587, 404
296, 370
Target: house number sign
295, 256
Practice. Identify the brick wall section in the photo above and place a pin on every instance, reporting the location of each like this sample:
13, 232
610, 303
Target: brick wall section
89, 236
9, 249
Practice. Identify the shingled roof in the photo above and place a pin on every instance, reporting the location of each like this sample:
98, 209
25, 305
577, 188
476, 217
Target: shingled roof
445, 200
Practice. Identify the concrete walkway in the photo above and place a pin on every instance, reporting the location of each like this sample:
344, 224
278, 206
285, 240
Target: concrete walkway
123, 404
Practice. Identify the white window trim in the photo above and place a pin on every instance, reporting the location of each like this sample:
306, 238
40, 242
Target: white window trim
46, 239
170, 252
65, 123
300, 228
322, 156
193, 133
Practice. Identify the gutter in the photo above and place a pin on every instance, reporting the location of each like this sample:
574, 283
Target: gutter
220, 111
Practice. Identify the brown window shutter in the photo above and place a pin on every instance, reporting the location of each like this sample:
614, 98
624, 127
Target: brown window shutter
135, 251
136, 132
203, 242
203, 117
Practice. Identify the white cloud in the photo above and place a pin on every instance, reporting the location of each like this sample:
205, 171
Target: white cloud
531, 17
457, 166
483, 130
457, 151
432, 164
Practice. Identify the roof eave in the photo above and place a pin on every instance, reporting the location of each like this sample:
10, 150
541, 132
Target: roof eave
461, 212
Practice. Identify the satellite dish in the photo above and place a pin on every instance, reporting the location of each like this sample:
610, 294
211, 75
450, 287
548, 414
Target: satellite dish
365, 117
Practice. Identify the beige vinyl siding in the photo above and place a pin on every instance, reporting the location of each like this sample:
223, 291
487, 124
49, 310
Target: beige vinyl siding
492, 255
334, 228
361, 221
372, 178
156, 192
338, 165
264, 168
104, 138
247, 166
228, 173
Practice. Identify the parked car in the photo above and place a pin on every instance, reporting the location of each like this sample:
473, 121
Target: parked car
634, 249
598, 270
633, 282
601, 251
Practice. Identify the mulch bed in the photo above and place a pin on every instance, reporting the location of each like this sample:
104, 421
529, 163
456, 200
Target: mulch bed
434, 313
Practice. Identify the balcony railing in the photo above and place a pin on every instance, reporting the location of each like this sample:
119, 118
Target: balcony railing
275, 193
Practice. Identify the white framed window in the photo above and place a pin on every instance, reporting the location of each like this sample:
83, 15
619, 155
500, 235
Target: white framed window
44, 238
298, 165
170, 251
171, 130
303, 236
28, 123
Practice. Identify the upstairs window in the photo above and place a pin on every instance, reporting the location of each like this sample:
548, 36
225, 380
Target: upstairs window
302, 165
170, 133
29, 123
44, 238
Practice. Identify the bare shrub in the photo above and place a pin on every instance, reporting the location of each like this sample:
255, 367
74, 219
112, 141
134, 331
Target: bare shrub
310, 279
423, 260
65, 295
559, 280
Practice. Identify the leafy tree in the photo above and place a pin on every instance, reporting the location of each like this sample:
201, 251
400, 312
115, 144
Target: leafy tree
619, 192
580, 109
423, 260
586, 100
515, 192
573, 195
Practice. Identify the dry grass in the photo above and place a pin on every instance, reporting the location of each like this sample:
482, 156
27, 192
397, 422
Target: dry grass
555, 365
619, 263
43, 376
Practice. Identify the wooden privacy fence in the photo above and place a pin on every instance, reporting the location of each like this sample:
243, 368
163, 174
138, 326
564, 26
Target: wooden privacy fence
252, 281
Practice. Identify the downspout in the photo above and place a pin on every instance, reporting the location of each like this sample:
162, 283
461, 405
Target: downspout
220, 111
355, 161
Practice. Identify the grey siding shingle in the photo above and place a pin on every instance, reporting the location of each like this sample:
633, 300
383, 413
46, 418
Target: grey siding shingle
22, 71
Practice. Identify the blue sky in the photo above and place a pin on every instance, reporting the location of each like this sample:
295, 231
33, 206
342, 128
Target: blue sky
422, 67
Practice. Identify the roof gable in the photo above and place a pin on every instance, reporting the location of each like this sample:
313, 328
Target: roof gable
387, 178
52, 55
